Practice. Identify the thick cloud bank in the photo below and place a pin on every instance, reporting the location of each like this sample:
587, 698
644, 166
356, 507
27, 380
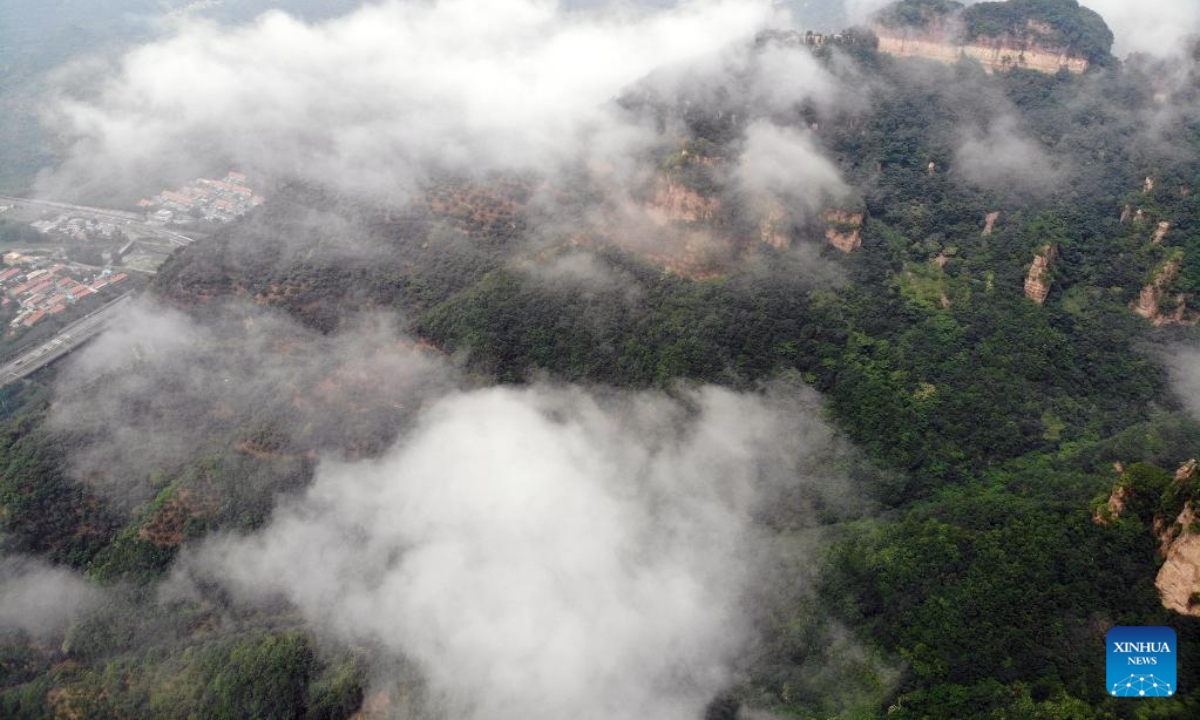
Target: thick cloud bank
163, 388
1161, 27
785, 163
38, 599
377, 99
539, 552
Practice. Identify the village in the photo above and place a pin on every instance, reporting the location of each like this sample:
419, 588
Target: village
77, 227
213, 200
42, 288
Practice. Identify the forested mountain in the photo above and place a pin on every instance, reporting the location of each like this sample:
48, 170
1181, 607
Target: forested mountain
992, 290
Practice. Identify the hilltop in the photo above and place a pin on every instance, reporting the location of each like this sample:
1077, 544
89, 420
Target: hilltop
1043, 35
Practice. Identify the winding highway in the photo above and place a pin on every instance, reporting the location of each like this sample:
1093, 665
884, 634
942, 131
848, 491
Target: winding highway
72, 336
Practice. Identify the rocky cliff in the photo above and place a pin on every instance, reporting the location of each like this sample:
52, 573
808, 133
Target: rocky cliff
1178, 579
673, 202
1112, 510
843, 229
996, 55
1042, 35
1037, 282
989, 223
1164, 502
1159, 306
773, 230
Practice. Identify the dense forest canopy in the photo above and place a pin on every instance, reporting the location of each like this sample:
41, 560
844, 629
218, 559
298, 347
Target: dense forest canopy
917, 13
1055, 23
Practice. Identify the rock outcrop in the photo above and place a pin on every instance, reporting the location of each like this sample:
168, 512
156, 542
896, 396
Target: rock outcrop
1037, 282
675, 202
1112, 510
1161, 231
843, 229
1152, 302
1175, 527
989, 222
1000, 55
1178, 579
1047, 36
773, 229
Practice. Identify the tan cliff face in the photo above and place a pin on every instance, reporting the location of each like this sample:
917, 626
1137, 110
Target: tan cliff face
669, 225
1178, 535
1037, 282
1152, 302
773, 229
674, 202
999, 55
844, 229
1112, 510
1161, 231
1178, 579
1186, 471
989, 223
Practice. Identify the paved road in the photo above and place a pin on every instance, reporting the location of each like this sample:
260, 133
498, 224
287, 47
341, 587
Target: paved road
72, 336
129, 219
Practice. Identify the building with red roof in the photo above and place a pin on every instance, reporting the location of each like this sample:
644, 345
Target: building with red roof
41, 287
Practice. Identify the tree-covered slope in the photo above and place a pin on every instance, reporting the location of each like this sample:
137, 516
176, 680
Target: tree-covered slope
990, 417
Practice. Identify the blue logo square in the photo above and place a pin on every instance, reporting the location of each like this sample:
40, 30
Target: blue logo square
1141, 661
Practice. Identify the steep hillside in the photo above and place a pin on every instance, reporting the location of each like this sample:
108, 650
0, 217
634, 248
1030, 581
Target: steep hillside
984, 277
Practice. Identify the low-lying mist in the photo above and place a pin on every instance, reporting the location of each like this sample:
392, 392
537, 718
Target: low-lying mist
536, 551
542, 552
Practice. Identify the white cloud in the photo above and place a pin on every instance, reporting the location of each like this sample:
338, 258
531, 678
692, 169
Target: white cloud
785, 163
162, 389
1158, 28
378, 98
1001, 156
1185, 372
40, 599
539, 552
859, 11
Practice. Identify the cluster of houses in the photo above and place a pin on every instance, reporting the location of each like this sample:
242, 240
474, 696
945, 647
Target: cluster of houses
214, 200
45, 291
77, 228
809, 38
